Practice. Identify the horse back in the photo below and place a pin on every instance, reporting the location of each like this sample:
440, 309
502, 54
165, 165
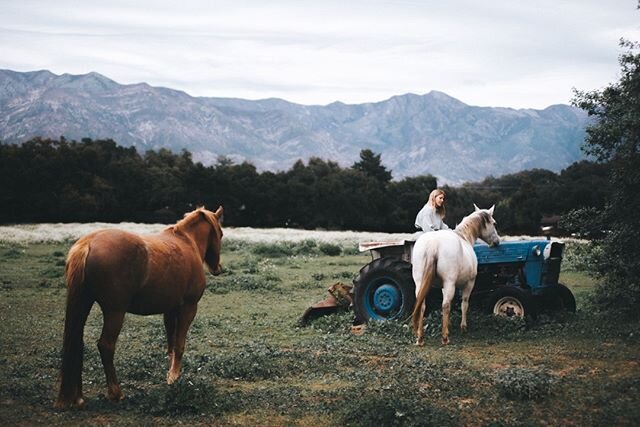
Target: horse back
115, 265
455, 257
141, 274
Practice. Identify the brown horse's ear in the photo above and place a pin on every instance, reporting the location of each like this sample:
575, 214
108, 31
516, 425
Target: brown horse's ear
219, 213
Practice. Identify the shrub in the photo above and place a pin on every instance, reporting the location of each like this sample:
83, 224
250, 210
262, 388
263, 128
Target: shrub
351, 250
524, 383
285, 249
13, 253
580, 256
256, 362
330, 249
337, 323
396, 329
272, 250
394, 404
241, 283
187, 397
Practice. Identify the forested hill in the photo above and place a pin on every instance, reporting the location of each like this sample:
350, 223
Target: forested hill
416, 134
60, 180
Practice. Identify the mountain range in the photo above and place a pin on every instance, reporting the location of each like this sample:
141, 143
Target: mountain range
415, 134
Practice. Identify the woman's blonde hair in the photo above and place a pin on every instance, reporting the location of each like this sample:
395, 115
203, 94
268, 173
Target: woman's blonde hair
441, 211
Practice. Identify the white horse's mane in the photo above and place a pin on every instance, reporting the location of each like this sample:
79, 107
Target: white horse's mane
471, 226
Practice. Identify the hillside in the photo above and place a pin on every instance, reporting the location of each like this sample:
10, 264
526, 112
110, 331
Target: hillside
416, 134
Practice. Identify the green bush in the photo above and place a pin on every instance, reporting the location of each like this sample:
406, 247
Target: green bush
13, 253
256, 362
335, 323
272, 250
580, 256
392, 404
241, 283
286, 249
185, 397
524, 383
401, 331
330, 249
351, 250
234, 245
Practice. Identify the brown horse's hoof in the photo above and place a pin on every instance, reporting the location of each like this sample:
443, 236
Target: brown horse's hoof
445, 341
172, 378
419, 342
115, 395
64, 404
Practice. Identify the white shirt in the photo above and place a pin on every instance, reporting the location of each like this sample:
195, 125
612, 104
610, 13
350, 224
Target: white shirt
428, 220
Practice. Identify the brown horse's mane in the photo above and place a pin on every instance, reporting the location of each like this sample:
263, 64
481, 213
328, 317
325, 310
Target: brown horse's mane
191, 217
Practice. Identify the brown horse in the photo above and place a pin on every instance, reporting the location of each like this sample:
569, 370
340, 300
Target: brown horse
128, 273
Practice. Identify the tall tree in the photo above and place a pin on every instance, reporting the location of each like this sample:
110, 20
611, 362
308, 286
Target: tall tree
371, 165
615, 137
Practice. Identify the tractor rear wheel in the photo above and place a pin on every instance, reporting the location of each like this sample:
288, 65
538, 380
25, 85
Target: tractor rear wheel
384, 290
564, 299
568, 300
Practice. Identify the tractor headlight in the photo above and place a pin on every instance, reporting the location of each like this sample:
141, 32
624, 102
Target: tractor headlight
536, 250
547, 250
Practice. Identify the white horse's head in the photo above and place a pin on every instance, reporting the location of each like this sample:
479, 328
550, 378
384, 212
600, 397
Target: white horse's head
488, 231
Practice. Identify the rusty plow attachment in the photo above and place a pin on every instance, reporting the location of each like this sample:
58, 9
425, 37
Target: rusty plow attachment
339, 298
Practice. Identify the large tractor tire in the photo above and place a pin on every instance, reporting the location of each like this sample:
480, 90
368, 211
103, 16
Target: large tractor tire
560, 298
384, 290
567, 298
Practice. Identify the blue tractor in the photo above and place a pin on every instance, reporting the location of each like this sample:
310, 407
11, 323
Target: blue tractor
515, 279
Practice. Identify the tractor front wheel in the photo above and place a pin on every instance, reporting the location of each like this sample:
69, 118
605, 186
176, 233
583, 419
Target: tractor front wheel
511, 302
384, 290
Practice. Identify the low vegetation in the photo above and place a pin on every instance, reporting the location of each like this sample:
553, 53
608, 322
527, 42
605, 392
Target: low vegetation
249, 362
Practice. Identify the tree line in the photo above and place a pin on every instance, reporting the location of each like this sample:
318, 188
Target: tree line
45, 180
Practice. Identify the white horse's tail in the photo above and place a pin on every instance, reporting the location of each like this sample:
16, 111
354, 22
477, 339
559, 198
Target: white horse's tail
427, 279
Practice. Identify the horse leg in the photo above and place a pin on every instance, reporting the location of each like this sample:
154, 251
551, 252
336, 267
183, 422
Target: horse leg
185, 316
107, 346
448, 290
171, 326
79, 305
420, 332
466, 292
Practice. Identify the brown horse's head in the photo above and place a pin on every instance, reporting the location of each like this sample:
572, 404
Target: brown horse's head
212, 254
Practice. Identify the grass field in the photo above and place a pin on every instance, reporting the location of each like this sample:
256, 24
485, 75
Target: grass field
248, 362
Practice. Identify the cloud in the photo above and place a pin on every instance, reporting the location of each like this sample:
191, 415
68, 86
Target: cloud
499, 53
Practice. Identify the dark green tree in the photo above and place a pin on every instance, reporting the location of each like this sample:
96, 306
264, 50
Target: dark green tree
371, 165
615, 138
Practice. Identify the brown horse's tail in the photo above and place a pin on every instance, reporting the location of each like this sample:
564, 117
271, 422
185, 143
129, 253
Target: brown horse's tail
427, 280
79, 302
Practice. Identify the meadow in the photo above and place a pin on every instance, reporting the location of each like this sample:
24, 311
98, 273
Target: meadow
248, 361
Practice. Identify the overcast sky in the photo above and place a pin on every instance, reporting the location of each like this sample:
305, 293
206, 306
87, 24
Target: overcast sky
507, 53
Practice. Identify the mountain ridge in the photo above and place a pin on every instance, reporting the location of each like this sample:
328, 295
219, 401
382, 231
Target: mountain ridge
415, 134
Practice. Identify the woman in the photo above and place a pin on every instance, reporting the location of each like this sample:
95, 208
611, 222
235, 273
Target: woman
430, 217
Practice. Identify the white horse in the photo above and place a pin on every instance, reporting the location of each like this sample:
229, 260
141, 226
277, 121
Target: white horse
448, 256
